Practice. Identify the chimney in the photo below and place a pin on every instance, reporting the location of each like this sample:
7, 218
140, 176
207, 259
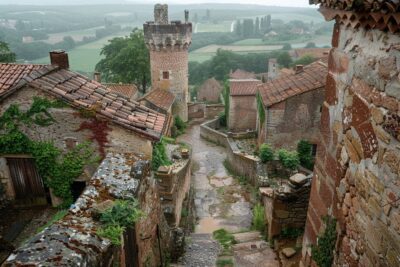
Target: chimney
161, 14
186, 16
97, 77
59, 58
299, 68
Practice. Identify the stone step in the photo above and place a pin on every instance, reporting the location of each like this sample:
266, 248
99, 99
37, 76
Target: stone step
247, 236
250, 246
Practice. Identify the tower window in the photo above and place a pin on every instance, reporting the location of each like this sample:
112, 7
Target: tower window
165, 75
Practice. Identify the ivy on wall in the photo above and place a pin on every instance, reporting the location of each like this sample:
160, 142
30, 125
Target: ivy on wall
323, 252
160, 157
99, 131
57, 169
261, 110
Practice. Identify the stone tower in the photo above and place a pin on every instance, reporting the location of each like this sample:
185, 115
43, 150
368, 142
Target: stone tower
168, 42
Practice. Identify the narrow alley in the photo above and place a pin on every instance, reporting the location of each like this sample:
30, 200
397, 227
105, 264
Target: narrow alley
221, 201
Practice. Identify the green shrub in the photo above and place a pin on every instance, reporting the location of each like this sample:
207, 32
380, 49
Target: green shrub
116, 219
304, 149
266, 153
225, 238
160, 157
291, 233
224, 262
259, 218
322, 253
289, 159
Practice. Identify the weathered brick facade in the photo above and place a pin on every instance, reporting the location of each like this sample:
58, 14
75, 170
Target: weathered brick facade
357, 170
168, 43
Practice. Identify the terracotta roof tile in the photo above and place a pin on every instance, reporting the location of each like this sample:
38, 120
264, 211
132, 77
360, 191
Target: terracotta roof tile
373, 14
243, 87
125, 90
312, 77
81, 92
12, 74
160, 98
242, 74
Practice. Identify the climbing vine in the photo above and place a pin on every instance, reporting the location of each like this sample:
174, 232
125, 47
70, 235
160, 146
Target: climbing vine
322, 253
99, 131
57, 169
261, 110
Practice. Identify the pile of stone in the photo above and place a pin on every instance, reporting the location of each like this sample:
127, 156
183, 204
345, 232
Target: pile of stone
298, 184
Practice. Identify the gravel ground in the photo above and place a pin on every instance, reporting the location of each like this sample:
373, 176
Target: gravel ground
201, 251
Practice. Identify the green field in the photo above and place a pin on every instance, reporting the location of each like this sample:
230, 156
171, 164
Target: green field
85, 57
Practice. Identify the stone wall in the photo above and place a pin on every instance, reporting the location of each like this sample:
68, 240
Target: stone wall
74, 240
213, 110
286, 206
241, 164
357, 168
302, 111
242, 113
196, 110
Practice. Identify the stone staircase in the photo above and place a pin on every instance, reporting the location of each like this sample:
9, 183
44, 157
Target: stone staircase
252, 251
201, 251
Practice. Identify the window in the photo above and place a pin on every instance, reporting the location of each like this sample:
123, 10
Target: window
165, 75
314, 150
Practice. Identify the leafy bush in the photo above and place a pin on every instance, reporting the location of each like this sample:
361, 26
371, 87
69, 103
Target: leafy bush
322, 253
224, 262
304, 149
225, 238
116, 219
160, 157
266, 153
258, 218
291, 232
179, 127
289, 159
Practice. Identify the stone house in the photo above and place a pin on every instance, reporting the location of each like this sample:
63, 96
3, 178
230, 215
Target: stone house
316, 53
210, 91
242, 105
159, 100
295, 98
91, 113
241, 75
357, 173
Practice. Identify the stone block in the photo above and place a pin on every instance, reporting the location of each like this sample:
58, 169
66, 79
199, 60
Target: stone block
282, 214
374, 238
298, 179
288, 252
392, 159
377, 115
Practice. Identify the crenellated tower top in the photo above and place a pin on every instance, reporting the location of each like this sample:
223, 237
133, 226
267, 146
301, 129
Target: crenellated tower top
162, 34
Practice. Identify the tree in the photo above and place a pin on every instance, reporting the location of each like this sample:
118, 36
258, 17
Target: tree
311, 45
304, 60
268, 22
257, 27
287, 47
5, 53
126, 59
238, 28
248, 27
284, 59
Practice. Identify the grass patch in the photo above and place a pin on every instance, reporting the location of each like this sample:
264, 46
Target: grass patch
258, 222
58, 216
224, 262
225, 239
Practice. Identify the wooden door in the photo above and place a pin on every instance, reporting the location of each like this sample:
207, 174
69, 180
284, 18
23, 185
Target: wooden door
28, 185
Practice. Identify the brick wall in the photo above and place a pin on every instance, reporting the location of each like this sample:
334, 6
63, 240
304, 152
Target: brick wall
303, 113
176, 63
242, 113
358, 162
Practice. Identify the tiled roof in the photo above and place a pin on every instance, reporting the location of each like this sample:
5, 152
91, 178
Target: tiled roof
210, 83
11, 75
316, 53
312, 77
372, 14
387, 6
243, 87
125, 90
160, 98
242, 74
83, 93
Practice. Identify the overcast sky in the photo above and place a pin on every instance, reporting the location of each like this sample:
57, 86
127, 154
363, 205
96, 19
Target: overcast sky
294, 3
